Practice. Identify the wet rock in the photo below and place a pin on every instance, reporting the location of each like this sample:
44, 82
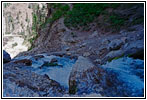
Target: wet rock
36, 57
93, 95
6, 57
80, 76
113, 54
120, 79
54, 60
27, 62
32, 82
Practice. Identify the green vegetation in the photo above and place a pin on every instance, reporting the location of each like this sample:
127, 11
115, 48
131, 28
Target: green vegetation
31, 40
60, 10
116, 21
6, 5
34, 31
83, 14
51, 64
73, 89
115, 58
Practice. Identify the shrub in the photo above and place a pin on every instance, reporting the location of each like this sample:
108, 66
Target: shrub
83, 14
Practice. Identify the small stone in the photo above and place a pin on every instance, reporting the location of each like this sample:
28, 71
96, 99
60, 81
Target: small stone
86, 54
115, 44
53, 60
68, 53
124, 39
83, 45
90, 48
27, 62
95, 33
36, 57
97, 61
67, 49
105, 41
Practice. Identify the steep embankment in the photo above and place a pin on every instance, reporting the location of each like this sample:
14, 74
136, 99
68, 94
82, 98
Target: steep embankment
98, 31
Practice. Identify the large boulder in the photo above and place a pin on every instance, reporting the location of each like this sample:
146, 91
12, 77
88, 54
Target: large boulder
120, 78
82, 77
6, 57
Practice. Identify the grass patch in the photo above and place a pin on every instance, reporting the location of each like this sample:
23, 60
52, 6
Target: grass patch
115, 58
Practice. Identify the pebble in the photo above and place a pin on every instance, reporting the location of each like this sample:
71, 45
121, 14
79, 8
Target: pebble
86, 54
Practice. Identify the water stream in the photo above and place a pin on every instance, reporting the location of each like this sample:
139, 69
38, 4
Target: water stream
58, 73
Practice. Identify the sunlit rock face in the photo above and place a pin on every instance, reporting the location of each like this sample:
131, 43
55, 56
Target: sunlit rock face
17, 25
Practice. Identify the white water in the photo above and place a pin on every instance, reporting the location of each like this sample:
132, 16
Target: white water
57, 73
131, 71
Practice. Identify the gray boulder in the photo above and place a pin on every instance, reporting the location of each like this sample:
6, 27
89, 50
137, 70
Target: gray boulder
6, 57
115, 44
120, 78
82, 77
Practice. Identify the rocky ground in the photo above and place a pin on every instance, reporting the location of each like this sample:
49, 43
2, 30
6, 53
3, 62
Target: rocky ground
66, 62
53, 76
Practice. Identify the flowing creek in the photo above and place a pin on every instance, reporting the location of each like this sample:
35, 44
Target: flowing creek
59, 72
130, 73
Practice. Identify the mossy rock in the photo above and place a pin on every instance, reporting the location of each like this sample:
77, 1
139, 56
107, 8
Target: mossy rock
48, 64
72, 87
115, 58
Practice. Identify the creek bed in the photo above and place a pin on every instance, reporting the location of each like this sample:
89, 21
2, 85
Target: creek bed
59, 72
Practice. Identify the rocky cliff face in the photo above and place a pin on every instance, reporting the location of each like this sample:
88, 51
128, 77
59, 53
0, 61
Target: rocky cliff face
18, 21
75, 50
